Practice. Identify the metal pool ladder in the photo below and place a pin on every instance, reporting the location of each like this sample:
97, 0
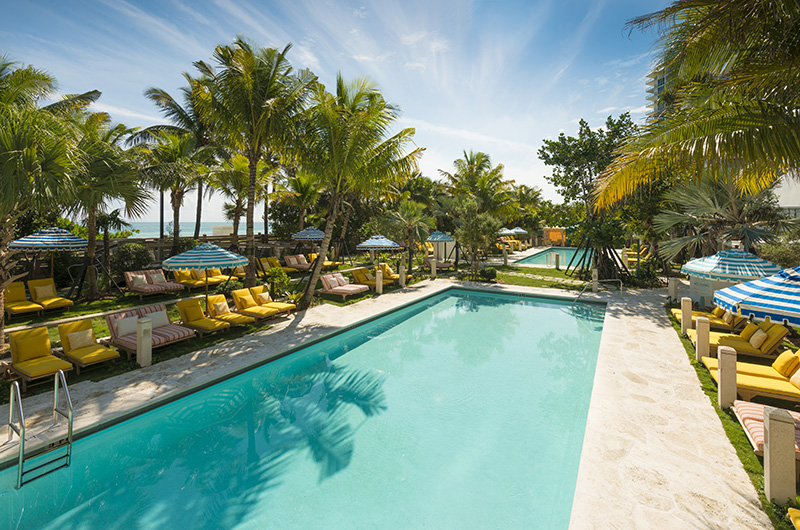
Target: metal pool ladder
53, 456
589, 284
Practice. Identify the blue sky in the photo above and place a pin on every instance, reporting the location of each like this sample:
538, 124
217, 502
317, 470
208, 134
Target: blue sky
493, 76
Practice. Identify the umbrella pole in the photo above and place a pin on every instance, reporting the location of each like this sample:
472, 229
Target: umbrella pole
205, 272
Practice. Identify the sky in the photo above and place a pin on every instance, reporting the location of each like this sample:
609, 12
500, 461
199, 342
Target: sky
493, 76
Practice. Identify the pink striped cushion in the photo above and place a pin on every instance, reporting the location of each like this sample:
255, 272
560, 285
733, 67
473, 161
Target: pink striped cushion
148, 288
144, 311
326, 281
111, 321
170, 333
752, 418
128, 342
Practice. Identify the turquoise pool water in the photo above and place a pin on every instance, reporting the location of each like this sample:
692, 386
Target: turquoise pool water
548, 257
465, 410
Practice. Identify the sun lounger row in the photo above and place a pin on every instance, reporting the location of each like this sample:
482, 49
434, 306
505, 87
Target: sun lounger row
32, 356
760, 340
718, 318
200, 278
43, 296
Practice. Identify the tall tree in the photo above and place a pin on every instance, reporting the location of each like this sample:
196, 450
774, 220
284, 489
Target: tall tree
105, 172
475, 177
300, 190
409, 222
252, 104
346, 146
106, 222
734, 89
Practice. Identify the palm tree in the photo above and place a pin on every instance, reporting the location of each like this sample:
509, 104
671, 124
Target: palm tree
474, 176
252, 103
184, 118
733, 92
35, 156
106, 172
231, 179
108, 221
174, 162
411, 221
711, 212
346, 148
301, 190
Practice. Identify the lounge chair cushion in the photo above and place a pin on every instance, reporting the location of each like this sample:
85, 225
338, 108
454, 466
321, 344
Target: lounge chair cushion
208, 324
758, 339
44, 291
183, 276
126, 326
247, 301
774, 335
80, 339
718, 312
260, 311
32, 347
15, 292
138, 279
751, 416
159, 318
795, 379
745, 368
786, 363
748, 331
221, 308
234, 318
194, 312
22, 307
92, 354
41, 366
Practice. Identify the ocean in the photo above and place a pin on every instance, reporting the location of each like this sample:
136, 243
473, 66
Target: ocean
151, 228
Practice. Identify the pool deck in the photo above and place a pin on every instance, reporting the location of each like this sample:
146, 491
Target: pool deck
654, 455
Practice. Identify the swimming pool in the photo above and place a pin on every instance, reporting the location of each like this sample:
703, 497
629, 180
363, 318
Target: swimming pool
464, 410
548, 257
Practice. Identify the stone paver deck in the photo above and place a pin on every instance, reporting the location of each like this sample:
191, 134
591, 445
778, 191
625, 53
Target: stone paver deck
654, 456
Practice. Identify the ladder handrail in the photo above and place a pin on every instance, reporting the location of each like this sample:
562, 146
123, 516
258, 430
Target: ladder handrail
60, 377
15, 404
589, 284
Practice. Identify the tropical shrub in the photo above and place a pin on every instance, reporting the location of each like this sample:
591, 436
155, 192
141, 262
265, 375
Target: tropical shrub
281, 279
229, 286
488, 273
785, 251
130, 257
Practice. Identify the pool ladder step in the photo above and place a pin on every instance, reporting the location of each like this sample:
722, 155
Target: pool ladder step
51, 457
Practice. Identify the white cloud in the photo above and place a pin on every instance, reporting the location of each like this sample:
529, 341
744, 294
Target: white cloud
464, 134
413, 38
121, 111
361, 12
607, 110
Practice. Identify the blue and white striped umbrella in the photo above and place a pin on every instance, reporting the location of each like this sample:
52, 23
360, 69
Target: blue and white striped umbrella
519, 231
377, 243
506, 232
777, 297
204, 256
439, 237
732, 265
50, 239
309, 234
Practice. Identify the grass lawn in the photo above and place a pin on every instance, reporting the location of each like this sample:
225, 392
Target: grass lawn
538, 271
752, 464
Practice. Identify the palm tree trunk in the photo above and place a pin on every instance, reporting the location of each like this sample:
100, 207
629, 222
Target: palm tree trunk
345, 222
91, 248
302, 217
199, 215
266, 213
106, 249
250, 251
237, 217
323, 253
176, 222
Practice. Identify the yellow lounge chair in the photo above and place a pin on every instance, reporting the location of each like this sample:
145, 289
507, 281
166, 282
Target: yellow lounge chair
260, 290
31, 357
273, 263
390, 274
207, 276
783, 368
326, 264
80, 345
364, 277
224, 313
714, 318
43, 292
741, 342
246, 305
17, 301
186, 278
793, 514
193, 317
752, 384
240, 272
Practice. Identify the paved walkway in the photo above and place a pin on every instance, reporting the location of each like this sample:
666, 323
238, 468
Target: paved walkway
654, 454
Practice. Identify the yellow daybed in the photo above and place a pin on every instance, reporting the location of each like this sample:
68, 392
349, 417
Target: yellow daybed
186, 278
246, 305
193, 317
17, 301
80, 345
259, 292
390, 274
43, 292
743, 341
752, 381
31, 356
273, 263
715, 319
218, 309
364, 277
326, 264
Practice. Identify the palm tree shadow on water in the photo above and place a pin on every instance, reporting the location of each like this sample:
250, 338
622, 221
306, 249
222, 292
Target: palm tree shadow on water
211, 462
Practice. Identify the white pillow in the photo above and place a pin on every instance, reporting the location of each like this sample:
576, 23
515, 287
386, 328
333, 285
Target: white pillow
80, 339
264, 298
126, 326
795, 379
138, 279
758, 338
341, 279
159, 318
333, 281
290, 261
158, 277
727, 317
44, 291
220, 308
